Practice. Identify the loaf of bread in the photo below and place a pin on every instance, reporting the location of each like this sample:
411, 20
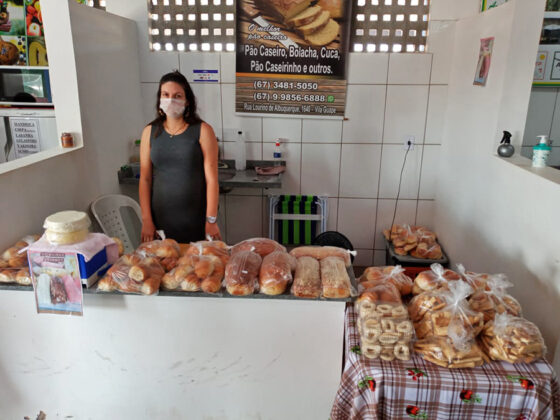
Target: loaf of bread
335, 7
321, 252
133, 273
318, 23
442, 352
284, 9
307, 279
305, 17
334, 278
161, 249
325, 35
391, 274
276, 272
241, 272
23, 277
261, 246
7, 276
435, 278
512, 339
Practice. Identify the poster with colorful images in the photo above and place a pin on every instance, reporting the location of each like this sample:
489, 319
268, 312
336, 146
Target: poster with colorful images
484, 59
540, 65
291, 57
12, 20
56, 282
36, 51
33, 18
13, 51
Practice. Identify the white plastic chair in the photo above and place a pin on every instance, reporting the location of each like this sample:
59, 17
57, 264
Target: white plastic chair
109, 210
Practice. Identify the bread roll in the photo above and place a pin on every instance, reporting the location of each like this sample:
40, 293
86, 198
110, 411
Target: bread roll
392, 274
334, 278
19, 261
138, 273
261, 246
10, 253
191, 283
436, 278
150, 285
320, 252
204, 267
307, 279
213, 283
170, 282
23, 277
276, 272
106, 284
241, 272
7, 276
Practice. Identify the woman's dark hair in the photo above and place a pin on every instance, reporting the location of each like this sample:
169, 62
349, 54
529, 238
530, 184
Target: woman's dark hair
190, 114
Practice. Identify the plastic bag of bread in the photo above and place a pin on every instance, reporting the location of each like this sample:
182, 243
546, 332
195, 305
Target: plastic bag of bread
495, 299
424, 303
307, 278
195, 273
424, 235
321, 252
402, 236
335, 279
427, 251
261, 246
216, 248
133, 273
14, 257
16, 275
276, 272
455, 320
475, 280
391, 274
166, 248
434, 278
242, 270
442, 352
383, 324
512, 339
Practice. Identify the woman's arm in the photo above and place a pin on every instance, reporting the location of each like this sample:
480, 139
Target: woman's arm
209, 146
145, 189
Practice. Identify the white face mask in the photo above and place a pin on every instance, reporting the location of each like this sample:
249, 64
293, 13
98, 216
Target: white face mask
173, 108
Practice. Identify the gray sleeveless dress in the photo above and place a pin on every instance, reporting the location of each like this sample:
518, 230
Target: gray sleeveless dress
178, 184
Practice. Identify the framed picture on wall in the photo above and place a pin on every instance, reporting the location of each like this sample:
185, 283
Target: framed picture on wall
547, 64
490, 4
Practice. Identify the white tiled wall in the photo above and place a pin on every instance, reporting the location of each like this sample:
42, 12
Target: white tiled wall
356, 162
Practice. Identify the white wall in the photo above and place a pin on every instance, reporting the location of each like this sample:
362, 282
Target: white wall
355, 162
490, 214
96, 97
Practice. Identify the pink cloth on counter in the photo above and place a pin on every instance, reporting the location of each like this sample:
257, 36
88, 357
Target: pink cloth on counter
93, 243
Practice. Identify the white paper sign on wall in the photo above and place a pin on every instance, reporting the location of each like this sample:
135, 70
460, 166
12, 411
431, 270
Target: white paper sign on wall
25, 136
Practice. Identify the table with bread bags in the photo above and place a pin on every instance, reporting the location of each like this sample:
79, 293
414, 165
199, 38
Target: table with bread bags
438, 382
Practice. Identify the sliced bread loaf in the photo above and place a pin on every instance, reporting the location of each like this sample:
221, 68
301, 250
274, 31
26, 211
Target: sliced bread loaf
325, 35
320, 22
305, 17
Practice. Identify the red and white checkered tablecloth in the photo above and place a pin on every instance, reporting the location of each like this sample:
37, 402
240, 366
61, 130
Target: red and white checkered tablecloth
375, 389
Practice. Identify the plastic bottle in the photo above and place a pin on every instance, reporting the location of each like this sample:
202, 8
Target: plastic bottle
277, 153
240, 152
541, 151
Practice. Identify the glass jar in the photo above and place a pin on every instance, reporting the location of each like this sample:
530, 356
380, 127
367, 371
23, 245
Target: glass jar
67, 140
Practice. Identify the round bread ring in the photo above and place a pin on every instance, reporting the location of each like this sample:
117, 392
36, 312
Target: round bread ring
404, 327
366, 308
387, 354
401, 351
388, 338
371, 334
384, 309
371, 351
388, 325
371, 322
399, 312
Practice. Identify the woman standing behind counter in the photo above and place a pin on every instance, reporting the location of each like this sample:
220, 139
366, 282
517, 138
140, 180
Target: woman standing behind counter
178, 168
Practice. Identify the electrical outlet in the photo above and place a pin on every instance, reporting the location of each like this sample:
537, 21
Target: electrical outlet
409, 142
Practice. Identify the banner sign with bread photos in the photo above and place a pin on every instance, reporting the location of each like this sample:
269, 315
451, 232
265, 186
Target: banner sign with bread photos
291, 56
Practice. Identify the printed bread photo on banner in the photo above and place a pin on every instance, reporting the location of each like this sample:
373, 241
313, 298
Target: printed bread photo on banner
299, 20
33, 18
37, 51
13, 51
12, 20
